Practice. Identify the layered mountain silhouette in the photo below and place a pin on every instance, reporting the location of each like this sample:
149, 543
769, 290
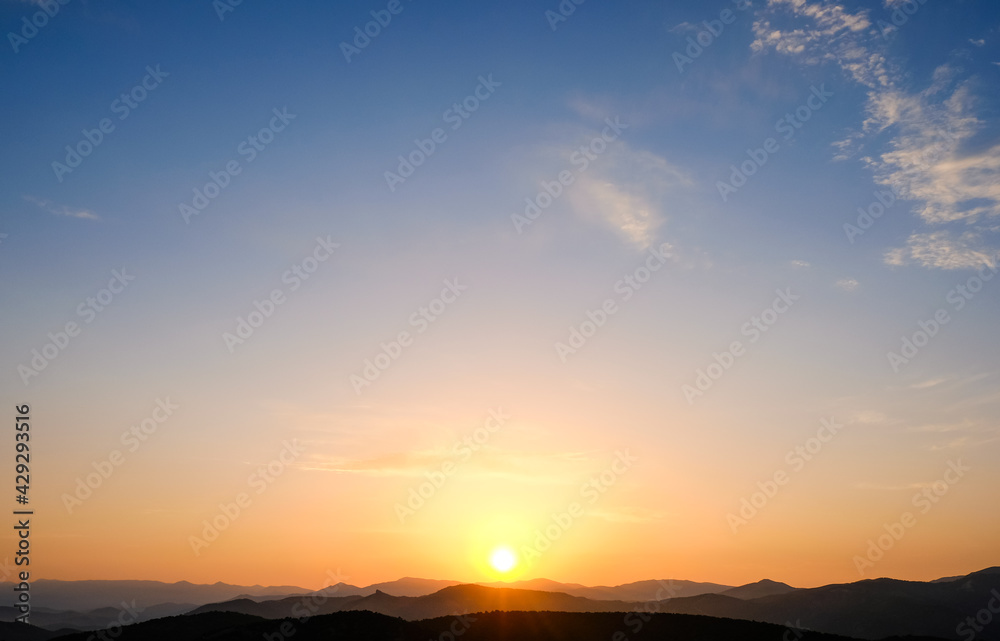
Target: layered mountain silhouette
757, 590
870, 609
965, 608
453, 600
83, 596
637, 591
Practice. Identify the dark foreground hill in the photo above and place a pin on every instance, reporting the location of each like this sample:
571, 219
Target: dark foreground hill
21, 632
493, 626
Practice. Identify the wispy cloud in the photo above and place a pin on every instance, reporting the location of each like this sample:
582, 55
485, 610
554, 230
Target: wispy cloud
846, 284
934, 382
963, 442
871, 417
534, 467
628, 515
626, 189
940, 428
928, 159
882, 487
685, 27
944, 250
62, 210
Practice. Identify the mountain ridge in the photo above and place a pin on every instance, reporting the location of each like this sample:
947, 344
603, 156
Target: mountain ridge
867, 609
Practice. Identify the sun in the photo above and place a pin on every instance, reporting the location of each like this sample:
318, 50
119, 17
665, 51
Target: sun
503, 559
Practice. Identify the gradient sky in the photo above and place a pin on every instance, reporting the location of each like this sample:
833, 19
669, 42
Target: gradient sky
889, 96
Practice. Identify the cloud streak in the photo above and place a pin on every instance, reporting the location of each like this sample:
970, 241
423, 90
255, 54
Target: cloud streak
62, 210
624, 190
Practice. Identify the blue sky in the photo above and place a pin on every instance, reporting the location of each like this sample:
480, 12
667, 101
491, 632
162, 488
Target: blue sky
892, 96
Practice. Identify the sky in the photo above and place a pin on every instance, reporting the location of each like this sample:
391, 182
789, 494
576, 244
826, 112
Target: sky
695, 290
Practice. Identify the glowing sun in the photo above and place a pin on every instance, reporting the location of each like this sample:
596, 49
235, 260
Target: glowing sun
503, 559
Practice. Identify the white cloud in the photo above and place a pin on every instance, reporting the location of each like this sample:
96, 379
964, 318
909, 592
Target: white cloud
531, 467
625, 189
847, 284
685, 27
62, 210
943, 250
934, 382
928, 160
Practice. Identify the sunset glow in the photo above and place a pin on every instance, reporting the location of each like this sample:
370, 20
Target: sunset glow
482, 292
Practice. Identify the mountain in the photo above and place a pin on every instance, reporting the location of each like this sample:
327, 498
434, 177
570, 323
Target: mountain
83, 596
409, 586
491, 626
870, 609
213, 625
290, 607
453, 600
50, 619
650, 590
758, 589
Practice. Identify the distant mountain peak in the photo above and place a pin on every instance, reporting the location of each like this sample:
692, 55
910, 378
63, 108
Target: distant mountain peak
762, 588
